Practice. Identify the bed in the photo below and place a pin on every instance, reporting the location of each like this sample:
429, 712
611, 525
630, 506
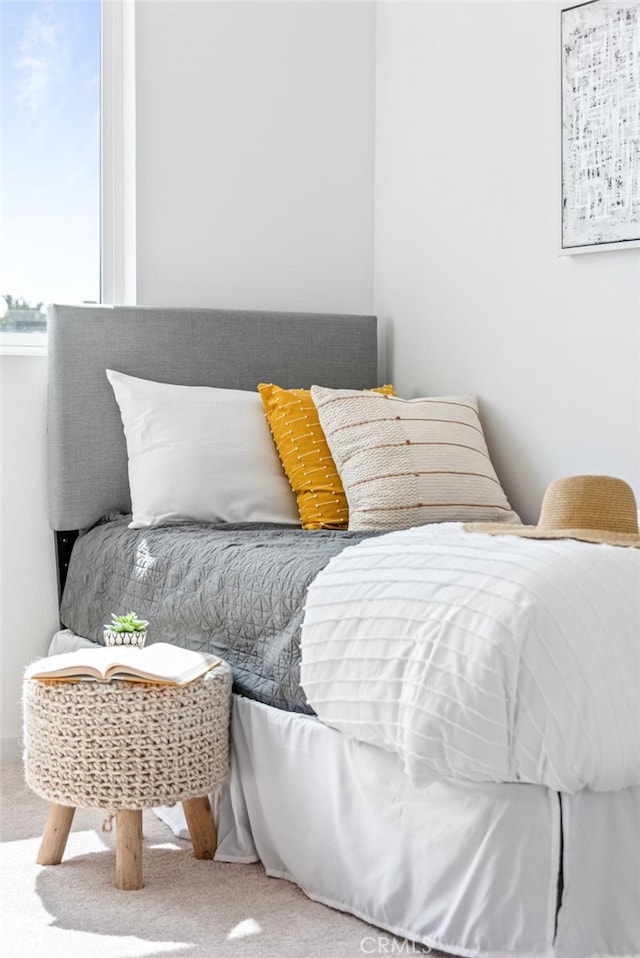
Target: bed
469, 866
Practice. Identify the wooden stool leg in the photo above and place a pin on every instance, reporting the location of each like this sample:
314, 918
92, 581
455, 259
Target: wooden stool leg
129, 849
56, 832
202, 829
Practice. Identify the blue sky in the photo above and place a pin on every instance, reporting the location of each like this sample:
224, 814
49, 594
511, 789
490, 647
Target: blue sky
50, 149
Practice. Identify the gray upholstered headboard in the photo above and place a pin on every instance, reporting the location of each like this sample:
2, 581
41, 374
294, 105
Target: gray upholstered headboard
208, 347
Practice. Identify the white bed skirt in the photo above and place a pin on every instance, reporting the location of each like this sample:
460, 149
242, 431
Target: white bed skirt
468, 869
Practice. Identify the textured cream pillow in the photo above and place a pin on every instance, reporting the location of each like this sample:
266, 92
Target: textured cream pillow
407, 462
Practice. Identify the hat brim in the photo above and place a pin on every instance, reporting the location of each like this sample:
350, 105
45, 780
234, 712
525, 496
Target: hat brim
597, 536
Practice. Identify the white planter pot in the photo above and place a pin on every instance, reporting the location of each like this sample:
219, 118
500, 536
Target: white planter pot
136, 639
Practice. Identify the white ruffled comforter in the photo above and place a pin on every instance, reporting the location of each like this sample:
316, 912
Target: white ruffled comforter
482, 658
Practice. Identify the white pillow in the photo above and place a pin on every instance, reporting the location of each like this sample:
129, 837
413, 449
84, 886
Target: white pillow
407, 462
200, 453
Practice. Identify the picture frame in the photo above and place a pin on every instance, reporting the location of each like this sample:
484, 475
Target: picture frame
600, 126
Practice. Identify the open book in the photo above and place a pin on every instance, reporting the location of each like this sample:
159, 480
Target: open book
160, 663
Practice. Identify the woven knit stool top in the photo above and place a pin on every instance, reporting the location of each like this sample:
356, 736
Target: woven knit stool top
128, 745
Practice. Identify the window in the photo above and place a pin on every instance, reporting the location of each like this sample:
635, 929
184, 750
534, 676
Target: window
51, 132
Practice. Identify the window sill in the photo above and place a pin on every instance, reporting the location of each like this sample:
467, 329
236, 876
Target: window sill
23, 343
6, 350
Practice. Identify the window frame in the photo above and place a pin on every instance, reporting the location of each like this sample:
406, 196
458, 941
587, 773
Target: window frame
117, 224
118, 154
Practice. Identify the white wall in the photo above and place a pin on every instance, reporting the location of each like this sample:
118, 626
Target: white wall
255, 154
467, 275
28, 599
254, 189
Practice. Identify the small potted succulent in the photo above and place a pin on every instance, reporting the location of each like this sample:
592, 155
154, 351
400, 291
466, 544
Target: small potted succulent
126, 630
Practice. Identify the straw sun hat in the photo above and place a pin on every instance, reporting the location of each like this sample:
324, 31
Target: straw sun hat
588, 508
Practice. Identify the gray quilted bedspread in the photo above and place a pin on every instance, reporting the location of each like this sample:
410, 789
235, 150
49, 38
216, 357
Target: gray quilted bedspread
237, 590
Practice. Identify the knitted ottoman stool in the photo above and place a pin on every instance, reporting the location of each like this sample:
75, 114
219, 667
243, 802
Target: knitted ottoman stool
126, 746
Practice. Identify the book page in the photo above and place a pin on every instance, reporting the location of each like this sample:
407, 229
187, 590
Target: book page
163, 662
92, 662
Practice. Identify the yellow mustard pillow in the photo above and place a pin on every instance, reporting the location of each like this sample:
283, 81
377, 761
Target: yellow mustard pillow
303, 450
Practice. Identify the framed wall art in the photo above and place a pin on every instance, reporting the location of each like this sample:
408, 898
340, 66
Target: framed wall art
600, 46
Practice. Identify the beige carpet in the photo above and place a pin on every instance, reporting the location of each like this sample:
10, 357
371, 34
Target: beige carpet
187, 908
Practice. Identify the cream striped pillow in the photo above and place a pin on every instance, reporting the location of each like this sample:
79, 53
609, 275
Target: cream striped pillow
407, 462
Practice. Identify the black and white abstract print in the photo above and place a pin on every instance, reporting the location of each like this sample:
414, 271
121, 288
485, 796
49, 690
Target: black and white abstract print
600, 124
